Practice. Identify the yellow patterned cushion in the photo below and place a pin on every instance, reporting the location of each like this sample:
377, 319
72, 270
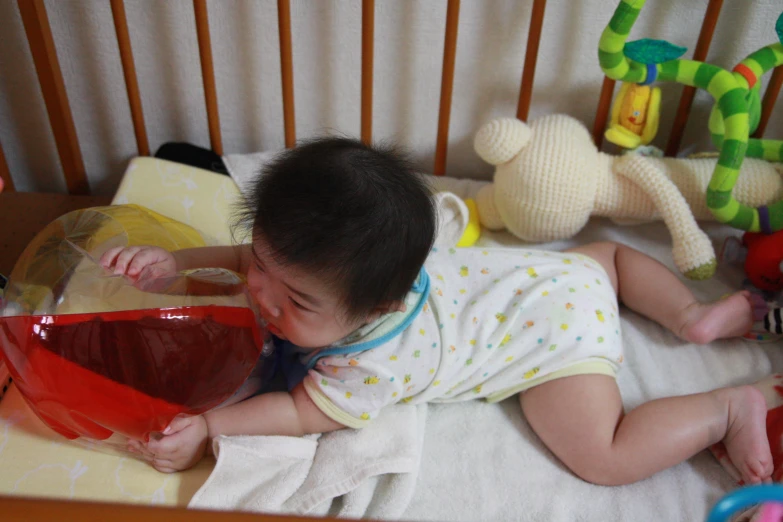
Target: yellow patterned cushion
35, 461
197, 197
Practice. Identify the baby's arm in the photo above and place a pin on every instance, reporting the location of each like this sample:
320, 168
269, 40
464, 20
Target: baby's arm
236, 258
280, 413
131, 261
292, 414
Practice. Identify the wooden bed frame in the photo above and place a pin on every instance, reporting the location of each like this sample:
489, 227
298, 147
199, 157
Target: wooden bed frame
43, 510
28, 213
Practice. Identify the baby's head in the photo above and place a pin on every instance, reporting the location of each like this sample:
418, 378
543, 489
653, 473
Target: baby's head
340, 233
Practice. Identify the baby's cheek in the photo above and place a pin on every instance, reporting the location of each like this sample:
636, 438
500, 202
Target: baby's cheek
252, 283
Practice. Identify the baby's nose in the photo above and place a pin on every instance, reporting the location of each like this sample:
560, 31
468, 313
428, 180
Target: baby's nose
274, 311
267, 304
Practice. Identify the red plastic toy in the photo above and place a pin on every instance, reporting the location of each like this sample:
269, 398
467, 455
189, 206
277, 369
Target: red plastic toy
764, 259
104, 358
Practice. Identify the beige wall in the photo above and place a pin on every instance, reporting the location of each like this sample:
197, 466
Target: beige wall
327, 58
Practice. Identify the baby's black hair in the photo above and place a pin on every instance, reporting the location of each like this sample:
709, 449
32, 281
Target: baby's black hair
356, 216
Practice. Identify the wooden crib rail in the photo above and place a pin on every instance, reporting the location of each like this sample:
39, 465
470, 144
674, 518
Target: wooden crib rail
688, 92
770, 97
602, 111
208, 74
41, 510
531, 56
39, 37
129, 72
5, 173
368, 40
286, 70
447, 75
446, 86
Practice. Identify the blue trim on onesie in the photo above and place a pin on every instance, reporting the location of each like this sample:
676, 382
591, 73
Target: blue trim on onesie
422, 286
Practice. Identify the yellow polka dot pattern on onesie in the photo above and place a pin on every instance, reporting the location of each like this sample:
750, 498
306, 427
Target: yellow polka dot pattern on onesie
496, 321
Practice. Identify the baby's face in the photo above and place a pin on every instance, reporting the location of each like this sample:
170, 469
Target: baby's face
297, 306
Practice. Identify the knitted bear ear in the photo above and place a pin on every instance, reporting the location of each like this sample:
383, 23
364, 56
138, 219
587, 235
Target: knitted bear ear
500, 140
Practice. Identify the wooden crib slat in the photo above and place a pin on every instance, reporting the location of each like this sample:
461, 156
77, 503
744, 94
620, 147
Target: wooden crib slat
531, 56
770, 97
368, 38
446, 86
287, 70
5, 174
129, 71
688, 92
208, 74
45, 510
50, 78
602, 112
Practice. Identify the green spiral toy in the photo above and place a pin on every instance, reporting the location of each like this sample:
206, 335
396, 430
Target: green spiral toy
734, 117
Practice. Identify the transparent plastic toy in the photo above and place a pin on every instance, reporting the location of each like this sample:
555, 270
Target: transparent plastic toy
102, 358
767, 497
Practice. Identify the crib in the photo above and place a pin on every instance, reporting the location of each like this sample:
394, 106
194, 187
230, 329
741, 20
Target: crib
23, 212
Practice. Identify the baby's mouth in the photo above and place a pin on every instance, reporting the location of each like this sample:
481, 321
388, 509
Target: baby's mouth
272, 328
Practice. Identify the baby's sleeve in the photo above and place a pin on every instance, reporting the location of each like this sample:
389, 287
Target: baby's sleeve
352, 391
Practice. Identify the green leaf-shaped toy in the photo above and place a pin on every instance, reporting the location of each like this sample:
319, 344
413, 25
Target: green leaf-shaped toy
648, 51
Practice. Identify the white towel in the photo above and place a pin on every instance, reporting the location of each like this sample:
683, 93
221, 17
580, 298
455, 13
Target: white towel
352, 473
255, 473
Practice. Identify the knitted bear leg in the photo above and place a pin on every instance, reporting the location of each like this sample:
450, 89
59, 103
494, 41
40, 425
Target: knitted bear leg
692, 250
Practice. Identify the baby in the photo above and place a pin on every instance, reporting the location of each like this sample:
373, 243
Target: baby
343, 269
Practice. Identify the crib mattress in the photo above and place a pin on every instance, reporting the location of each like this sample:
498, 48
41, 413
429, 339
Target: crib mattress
501, 471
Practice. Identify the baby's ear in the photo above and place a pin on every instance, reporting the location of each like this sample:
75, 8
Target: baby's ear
395, 306
384, 308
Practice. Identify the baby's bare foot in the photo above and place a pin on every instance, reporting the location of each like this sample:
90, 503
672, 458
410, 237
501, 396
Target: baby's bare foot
730, 317
746, 434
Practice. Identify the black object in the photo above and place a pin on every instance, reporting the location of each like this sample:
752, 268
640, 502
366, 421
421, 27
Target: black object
193, 155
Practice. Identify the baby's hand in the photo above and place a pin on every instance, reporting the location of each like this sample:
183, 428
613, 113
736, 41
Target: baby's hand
181, 447
132, 261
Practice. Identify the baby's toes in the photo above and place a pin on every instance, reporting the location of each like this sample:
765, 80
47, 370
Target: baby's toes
763, 467
750, 479
756, 472
769, 469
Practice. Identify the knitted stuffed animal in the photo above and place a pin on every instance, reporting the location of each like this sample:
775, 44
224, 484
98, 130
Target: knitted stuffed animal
550, 179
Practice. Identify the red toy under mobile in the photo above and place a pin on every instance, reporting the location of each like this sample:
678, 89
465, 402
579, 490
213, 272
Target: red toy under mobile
764, 260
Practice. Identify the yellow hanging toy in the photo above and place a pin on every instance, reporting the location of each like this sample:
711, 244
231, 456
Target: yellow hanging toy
635, 115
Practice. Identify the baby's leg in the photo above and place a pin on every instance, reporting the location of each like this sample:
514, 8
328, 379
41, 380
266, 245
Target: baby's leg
580, 419
649, 288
